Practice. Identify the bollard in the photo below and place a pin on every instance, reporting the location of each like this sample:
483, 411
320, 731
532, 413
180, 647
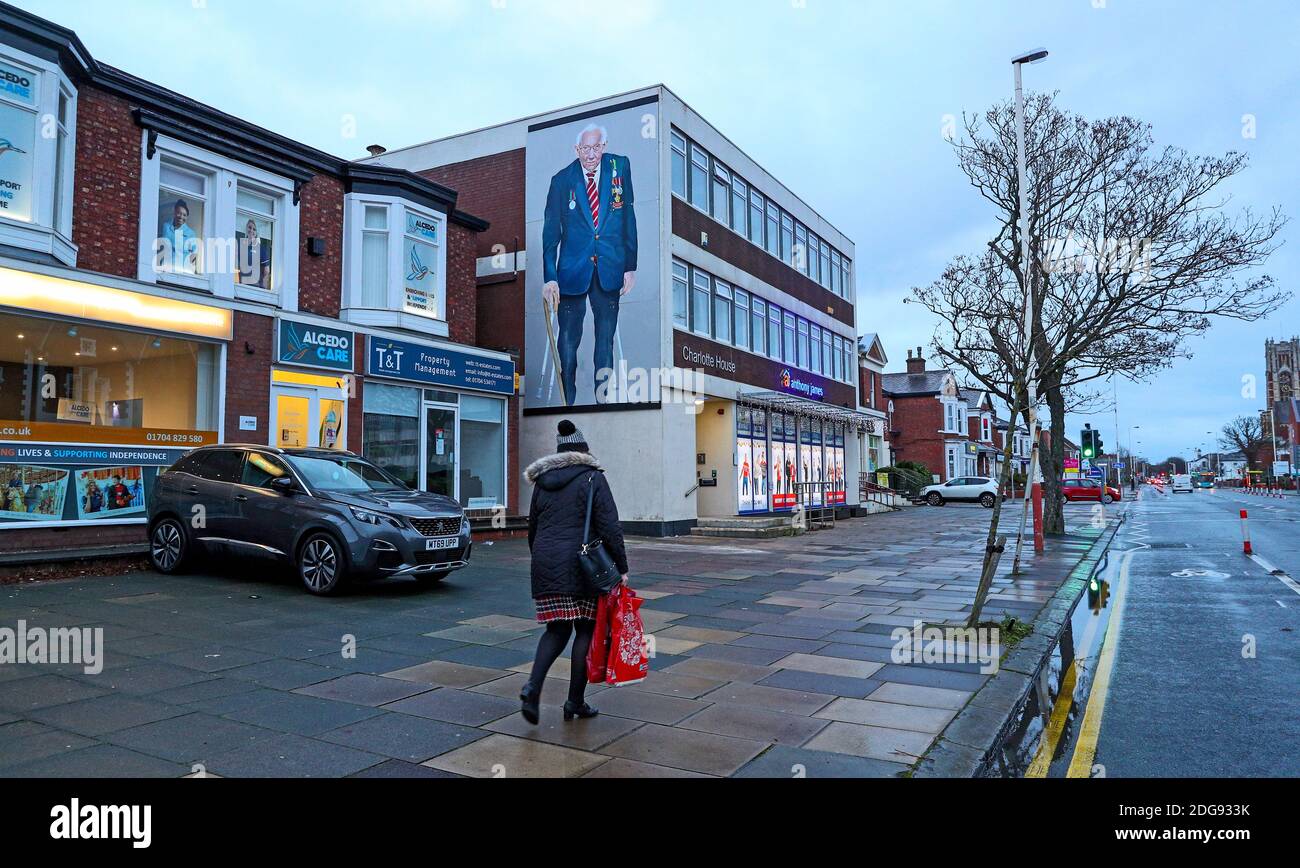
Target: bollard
1245, 534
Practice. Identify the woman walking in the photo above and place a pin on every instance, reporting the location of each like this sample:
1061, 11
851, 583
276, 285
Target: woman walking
565, 604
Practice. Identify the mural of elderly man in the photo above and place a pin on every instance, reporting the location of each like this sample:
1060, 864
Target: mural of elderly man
589, 248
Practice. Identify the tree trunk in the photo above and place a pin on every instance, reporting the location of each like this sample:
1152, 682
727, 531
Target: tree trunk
994, 545
1053, 461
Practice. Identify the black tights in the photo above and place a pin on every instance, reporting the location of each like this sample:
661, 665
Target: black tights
551, 645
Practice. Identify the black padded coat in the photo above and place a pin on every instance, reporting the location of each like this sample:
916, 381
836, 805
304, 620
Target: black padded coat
555, 521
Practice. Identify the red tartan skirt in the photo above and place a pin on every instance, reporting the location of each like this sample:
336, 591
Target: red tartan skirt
564, 607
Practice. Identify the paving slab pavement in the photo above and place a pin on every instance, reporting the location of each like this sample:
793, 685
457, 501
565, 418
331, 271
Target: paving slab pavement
773, 658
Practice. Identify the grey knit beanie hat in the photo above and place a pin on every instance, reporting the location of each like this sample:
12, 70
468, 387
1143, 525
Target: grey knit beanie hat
569, 438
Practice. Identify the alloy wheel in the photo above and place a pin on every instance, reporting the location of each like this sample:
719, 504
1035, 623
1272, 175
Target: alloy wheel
166, 548
319, 564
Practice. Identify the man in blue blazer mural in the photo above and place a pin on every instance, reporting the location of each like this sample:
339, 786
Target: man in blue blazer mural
589, 252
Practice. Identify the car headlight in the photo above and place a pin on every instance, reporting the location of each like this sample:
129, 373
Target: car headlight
464, 524
367, 516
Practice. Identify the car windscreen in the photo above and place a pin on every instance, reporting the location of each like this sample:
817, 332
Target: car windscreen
343, 473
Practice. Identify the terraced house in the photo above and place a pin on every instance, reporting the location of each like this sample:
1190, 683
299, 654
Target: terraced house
172, 275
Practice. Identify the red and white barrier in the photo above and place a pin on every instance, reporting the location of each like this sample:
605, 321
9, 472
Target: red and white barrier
1245, 534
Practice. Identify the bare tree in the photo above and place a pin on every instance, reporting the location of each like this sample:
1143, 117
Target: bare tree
1244, 434
1134, 252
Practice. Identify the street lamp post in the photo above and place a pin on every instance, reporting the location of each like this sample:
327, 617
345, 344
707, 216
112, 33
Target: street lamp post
1034, 491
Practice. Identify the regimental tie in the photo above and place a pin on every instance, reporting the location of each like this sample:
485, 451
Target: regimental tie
593, 196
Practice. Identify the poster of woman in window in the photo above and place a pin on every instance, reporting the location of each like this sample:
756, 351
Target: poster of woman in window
32, 493
253, 247
104, 492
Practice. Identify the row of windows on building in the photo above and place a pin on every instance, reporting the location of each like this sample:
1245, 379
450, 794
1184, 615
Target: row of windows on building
709, 306
703, 181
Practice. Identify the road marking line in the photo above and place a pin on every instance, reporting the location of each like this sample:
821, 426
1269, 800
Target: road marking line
1085, 749
1276, 573
1055, 725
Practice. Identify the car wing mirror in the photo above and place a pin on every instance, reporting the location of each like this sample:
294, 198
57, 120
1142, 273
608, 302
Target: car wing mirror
284, 484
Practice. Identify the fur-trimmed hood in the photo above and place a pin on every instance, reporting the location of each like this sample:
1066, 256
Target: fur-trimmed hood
575, 462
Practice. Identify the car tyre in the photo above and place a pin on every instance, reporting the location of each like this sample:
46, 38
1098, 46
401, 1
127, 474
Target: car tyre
1107, 499
987, 500
169, 547
428, 580
934, 498
321, 564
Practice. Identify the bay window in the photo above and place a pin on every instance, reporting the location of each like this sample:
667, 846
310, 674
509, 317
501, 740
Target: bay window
217, 225
394, 264
38, 122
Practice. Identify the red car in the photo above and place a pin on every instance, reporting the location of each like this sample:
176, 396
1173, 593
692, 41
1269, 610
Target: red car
1089, 489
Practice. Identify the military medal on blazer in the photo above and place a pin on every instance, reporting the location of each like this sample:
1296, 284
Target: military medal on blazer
615, 184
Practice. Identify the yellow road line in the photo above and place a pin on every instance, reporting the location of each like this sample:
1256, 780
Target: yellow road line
1085, 749
1055, 725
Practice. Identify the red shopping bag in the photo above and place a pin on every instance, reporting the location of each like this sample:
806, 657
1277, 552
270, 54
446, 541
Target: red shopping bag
629, 653
598, 654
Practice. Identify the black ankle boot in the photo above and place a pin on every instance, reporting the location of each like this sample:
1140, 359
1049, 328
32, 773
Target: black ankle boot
578, 709
531, 699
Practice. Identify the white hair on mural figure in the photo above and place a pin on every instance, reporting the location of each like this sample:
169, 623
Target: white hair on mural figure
593, 128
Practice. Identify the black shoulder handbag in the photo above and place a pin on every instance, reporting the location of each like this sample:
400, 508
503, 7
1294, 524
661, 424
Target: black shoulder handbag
597, 566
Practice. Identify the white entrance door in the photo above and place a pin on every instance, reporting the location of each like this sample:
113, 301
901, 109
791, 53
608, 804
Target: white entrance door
306, 416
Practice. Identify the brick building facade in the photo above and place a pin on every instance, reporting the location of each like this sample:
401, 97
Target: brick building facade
173, 276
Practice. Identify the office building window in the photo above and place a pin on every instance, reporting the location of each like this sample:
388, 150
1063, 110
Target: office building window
801, 248
803, 344
836, 358
721, 312
741, 329
699, 178
827, 348
758, 319
836, 274
679, 165
721, 192
681, 293
815, 355
755, 216
773, 237
825, 264
787, 336
787, 239
814, 270
700, 307
739, 207
774, 332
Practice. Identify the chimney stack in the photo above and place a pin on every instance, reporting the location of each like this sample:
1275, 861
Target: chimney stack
376, 150
915, 364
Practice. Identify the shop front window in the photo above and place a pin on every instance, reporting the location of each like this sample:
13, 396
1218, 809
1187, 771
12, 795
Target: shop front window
482, 453
73, 382
391, 430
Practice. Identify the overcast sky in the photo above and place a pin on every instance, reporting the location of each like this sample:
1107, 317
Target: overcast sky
843, 100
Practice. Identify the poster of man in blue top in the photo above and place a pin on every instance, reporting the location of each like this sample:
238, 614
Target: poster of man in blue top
591, 259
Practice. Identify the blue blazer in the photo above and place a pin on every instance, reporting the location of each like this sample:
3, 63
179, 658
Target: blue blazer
569, 241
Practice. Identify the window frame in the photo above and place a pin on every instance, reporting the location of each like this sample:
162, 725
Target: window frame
758, 316
720, 177
701, 285
739, 217
681, 319
394, 313
675, 153
723, 311
691, 167
740, 317
224, 176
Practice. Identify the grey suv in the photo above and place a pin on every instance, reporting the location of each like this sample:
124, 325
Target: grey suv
332, 514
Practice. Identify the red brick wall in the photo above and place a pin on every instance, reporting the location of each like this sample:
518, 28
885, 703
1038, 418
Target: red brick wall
501, 315
865, 388
320, 215
106, 206
462, 284
918, 420
492, 188
248, 377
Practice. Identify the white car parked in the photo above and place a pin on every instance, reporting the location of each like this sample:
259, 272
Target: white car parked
964, 489
1182, 482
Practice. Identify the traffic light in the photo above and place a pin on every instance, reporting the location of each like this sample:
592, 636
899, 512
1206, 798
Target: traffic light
1086, 442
